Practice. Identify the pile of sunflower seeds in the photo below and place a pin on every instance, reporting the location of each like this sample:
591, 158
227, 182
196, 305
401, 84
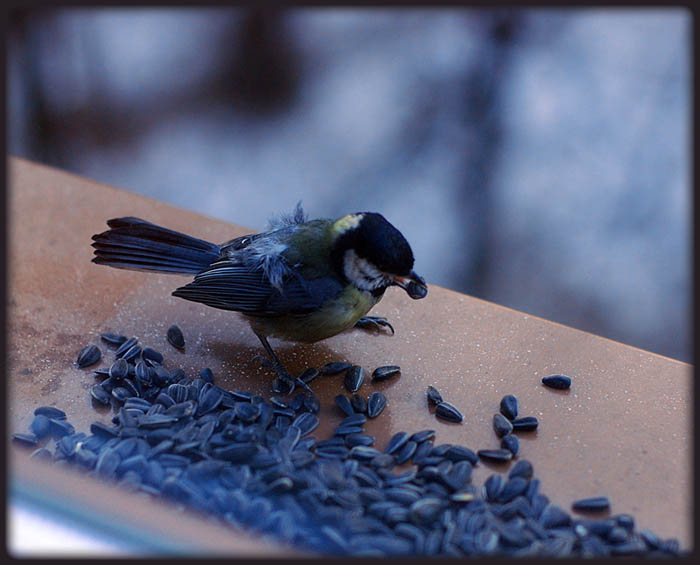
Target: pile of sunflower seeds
252, 463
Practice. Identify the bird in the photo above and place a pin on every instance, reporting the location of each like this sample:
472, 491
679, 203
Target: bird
300, 280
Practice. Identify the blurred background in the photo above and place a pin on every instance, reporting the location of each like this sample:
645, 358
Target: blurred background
535, 158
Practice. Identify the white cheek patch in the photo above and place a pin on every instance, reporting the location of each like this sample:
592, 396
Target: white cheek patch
361, 272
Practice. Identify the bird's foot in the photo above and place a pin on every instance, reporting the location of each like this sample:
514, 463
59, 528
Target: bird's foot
374, 322
284, 383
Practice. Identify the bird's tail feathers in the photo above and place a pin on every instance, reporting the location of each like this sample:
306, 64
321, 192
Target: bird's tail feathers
136, 244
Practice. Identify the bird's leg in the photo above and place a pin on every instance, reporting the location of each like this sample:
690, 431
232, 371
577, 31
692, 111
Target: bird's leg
274, 364
374, 322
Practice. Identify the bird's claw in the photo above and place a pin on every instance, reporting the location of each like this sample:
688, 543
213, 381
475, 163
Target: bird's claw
374, 322
287, 383
264, 361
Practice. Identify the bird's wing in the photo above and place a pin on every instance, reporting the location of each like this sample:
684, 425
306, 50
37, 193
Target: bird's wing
233, 286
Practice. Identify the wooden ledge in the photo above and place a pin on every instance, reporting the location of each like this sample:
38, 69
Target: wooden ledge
623, 430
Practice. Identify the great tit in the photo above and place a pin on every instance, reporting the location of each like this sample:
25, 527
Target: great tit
300, 281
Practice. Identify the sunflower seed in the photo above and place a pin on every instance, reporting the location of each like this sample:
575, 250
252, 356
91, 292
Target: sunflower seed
50, 412
501, 425
343, 402
151, 421
423, 435
375, 404
423, 450
132, 353
406, 452
514, 487
353, 378
492, 487
359, 403
335, 368
120, 393
40, 426
107, 463
100, 394
559, 382
306, 423
209, 401
522, 468
312, 403
333, 452
593, 504
175, 337
526, 424
119, 369
25, 440
448, 412
113, 339
458, 475
456, 453
495, 455
151, 355
124, 347
352, 440
509, 406
385, 372
89, 355
554, 517
425, 510
511, 443
396, 442
347, 430
61, 428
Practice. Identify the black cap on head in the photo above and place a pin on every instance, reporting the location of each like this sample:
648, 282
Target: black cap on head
380, 243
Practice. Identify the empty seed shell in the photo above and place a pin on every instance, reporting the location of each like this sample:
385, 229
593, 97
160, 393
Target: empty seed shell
353, 378
375, 404
509, 406
385, 372
89, 355
433, 395
559, 382
175, 337
447, 411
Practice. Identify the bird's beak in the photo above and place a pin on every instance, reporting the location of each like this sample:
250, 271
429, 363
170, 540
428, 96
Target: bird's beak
413, 284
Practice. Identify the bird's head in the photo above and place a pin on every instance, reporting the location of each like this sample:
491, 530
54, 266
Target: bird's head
373, 255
